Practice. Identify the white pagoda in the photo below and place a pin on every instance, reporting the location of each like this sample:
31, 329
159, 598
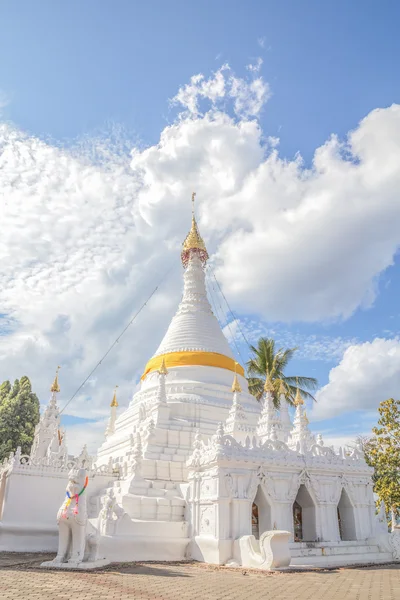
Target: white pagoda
197, 468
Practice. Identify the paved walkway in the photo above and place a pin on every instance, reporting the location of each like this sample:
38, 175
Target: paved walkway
21, 579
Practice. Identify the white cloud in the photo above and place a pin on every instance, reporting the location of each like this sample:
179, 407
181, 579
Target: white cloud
256, 66
313, 242
88, 232
367, 374
248, 97
309, 347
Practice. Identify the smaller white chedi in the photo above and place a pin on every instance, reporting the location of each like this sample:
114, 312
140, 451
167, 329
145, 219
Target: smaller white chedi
196, 468
50, 440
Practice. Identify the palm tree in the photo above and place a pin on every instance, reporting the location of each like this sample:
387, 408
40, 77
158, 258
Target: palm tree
269, 362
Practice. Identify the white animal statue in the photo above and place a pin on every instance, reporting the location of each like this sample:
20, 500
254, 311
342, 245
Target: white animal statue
72, 520
73, 537
270, 552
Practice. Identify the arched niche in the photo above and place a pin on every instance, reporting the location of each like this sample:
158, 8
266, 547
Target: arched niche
260, 513
304, 517
347, 525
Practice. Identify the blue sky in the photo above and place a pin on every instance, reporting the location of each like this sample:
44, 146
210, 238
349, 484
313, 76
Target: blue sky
72, 67
75, 71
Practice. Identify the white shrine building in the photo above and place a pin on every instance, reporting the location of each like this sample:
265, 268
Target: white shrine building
195, 463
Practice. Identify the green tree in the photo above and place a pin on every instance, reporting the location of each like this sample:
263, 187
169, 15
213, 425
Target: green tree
382, 452
19, 415
269, 361
5, 389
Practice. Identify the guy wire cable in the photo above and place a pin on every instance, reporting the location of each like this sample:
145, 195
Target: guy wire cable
118, 338
230, 310
228, 324
213, 303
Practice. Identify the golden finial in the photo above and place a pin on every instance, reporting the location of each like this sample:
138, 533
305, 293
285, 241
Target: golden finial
114, 400
268, 385
163, 368
193, 197
298, 400
306, 421
194, 242
236, 385
55, 387
282, 388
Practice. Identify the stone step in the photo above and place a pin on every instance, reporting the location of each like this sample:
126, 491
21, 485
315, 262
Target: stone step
342, 559
337, 550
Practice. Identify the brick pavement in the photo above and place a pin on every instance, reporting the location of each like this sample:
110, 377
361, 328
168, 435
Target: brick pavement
21, 579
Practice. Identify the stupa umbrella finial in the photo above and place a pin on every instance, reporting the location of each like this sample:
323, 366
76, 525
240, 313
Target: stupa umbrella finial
236, 385
163, 368
193, 243
114, 400
298, 400
282, 388
113, 414
55, 388
269, 386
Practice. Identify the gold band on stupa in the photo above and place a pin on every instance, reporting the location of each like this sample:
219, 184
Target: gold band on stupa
191, 359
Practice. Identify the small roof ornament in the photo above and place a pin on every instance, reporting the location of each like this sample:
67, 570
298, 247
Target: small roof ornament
298, 400
193, 243
236, 385
268, 385
114, 400
282, 388
54, 386
163, 368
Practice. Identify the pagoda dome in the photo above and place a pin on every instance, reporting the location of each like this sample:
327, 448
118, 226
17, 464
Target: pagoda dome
194, 336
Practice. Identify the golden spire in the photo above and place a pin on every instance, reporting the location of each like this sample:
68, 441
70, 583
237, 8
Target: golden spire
54, 386
282, 388
306, 421
268, 385
163, 369
236, 385
114, 400
298, 400
193, 242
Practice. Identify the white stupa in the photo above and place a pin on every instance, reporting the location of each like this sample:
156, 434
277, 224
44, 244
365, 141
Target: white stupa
196, 468
201, 367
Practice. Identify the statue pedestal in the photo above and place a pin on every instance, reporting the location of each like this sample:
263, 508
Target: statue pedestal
82, 566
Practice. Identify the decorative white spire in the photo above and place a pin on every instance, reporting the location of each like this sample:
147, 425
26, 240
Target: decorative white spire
286, 423
236, 423
269, 418
113, 415
45, 442
301, 438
